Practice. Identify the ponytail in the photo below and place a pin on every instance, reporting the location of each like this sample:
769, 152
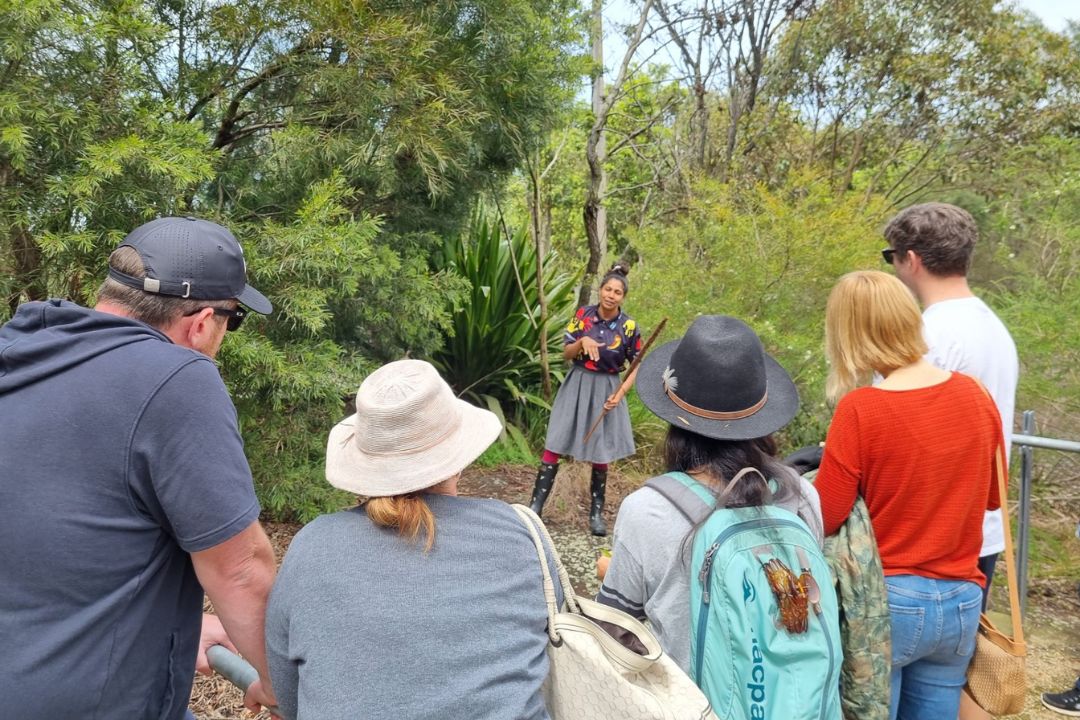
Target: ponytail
408, 513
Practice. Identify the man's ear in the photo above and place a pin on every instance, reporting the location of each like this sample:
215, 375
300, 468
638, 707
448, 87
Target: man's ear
191, 331
203, 324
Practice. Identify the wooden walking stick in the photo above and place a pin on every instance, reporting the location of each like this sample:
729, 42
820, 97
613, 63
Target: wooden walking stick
629, 374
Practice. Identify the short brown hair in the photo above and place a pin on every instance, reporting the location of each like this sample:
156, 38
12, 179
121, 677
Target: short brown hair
872, 324
159, 311
942, 235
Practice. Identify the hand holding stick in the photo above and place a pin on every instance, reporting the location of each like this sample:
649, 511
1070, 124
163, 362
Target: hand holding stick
629, 376
236, 670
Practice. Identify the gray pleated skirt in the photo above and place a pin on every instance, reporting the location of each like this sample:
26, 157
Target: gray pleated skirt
577, 405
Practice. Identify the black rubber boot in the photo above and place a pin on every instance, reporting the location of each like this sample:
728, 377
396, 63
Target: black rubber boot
545, 478
597, 526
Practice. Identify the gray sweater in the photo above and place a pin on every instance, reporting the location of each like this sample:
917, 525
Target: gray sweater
364, 625
648, 577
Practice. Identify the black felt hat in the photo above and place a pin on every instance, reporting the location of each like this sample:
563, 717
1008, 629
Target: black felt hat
718, 381
191, 258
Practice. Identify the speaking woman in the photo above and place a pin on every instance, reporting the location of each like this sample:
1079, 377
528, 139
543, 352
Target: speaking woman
600, 340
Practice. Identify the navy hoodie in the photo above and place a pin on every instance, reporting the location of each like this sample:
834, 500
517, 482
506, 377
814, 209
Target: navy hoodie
119, 456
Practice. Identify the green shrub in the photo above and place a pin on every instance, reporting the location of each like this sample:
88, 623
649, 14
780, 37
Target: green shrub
491, 356
769, 257
505, 453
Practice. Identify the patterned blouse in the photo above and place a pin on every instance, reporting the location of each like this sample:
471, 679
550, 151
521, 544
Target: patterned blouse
619, 338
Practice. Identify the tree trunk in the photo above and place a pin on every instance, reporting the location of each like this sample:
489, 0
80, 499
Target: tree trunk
732, 136
701, 116
27, 257
853, 163
595, 215
591, 217
541, 229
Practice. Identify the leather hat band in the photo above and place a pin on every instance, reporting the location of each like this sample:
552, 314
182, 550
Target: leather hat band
716, 415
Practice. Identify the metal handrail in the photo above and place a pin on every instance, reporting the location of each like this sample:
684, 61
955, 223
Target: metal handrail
1046, 443
1028, 441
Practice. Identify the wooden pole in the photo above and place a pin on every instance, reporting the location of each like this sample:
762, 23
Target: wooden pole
625, 385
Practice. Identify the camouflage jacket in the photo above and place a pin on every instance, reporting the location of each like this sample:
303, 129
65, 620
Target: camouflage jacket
864, 617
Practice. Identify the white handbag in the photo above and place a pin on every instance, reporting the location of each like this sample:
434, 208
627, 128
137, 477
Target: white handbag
595, 676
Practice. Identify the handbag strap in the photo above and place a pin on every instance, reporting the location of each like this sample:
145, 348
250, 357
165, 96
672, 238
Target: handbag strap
536, 528
1010, 559
1010, 562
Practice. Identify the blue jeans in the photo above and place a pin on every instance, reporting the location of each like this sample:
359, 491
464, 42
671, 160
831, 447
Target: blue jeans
933, 636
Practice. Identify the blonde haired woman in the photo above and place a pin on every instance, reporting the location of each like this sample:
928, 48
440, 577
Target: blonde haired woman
920, 448
417, 603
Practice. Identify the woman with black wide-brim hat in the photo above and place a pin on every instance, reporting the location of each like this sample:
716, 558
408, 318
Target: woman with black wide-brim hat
723, 396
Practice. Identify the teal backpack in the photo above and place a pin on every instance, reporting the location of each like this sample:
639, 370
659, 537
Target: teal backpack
749, 666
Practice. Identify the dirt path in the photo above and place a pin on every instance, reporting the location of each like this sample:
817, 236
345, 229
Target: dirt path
1053, 606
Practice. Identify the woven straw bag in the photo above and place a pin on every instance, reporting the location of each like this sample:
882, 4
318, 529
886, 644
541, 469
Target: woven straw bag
996, 677
595, 676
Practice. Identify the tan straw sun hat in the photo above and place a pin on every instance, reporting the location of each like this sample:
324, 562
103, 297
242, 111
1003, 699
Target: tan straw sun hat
409, 432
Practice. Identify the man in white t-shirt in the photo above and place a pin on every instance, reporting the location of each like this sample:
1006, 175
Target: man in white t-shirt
930, 247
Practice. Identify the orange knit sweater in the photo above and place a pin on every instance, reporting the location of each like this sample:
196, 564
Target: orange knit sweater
924, 462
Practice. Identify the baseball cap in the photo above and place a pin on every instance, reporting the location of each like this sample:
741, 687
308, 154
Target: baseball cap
191, 258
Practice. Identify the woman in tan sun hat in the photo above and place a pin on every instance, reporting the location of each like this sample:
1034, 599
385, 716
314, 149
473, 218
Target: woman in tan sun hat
417, 603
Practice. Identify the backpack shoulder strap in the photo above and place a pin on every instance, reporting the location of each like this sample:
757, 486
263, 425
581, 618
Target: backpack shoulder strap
688, 496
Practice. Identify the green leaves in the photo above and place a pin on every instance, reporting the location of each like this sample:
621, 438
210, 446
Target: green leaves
491, 354
901, 96
15, 141
287, 373
340, 141
155, 167
769, 257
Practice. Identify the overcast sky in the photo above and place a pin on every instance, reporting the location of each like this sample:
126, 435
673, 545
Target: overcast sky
1054, 13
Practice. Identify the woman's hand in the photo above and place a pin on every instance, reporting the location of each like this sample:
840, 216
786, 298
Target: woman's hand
259, 696
614, 399
602, 563
591, 348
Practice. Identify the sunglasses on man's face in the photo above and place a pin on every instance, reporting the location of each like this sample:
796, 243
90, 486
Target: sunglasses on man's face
235, 317
888, 254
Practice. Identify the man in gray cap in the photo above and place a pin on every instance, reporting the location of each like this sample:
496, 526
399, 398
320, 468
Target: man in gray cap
124, 487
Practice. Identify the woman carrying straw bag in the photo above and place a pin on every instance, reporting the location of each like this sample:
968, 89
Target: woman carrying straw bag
920, 448
416, 603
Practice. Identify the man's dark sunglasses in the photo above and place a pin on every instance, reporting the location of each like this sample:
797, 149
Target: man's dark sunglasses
235, 316
888, 254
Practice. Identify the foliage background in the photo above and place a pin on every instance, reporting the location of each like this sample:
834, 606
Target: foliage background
377, 160
341, 141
